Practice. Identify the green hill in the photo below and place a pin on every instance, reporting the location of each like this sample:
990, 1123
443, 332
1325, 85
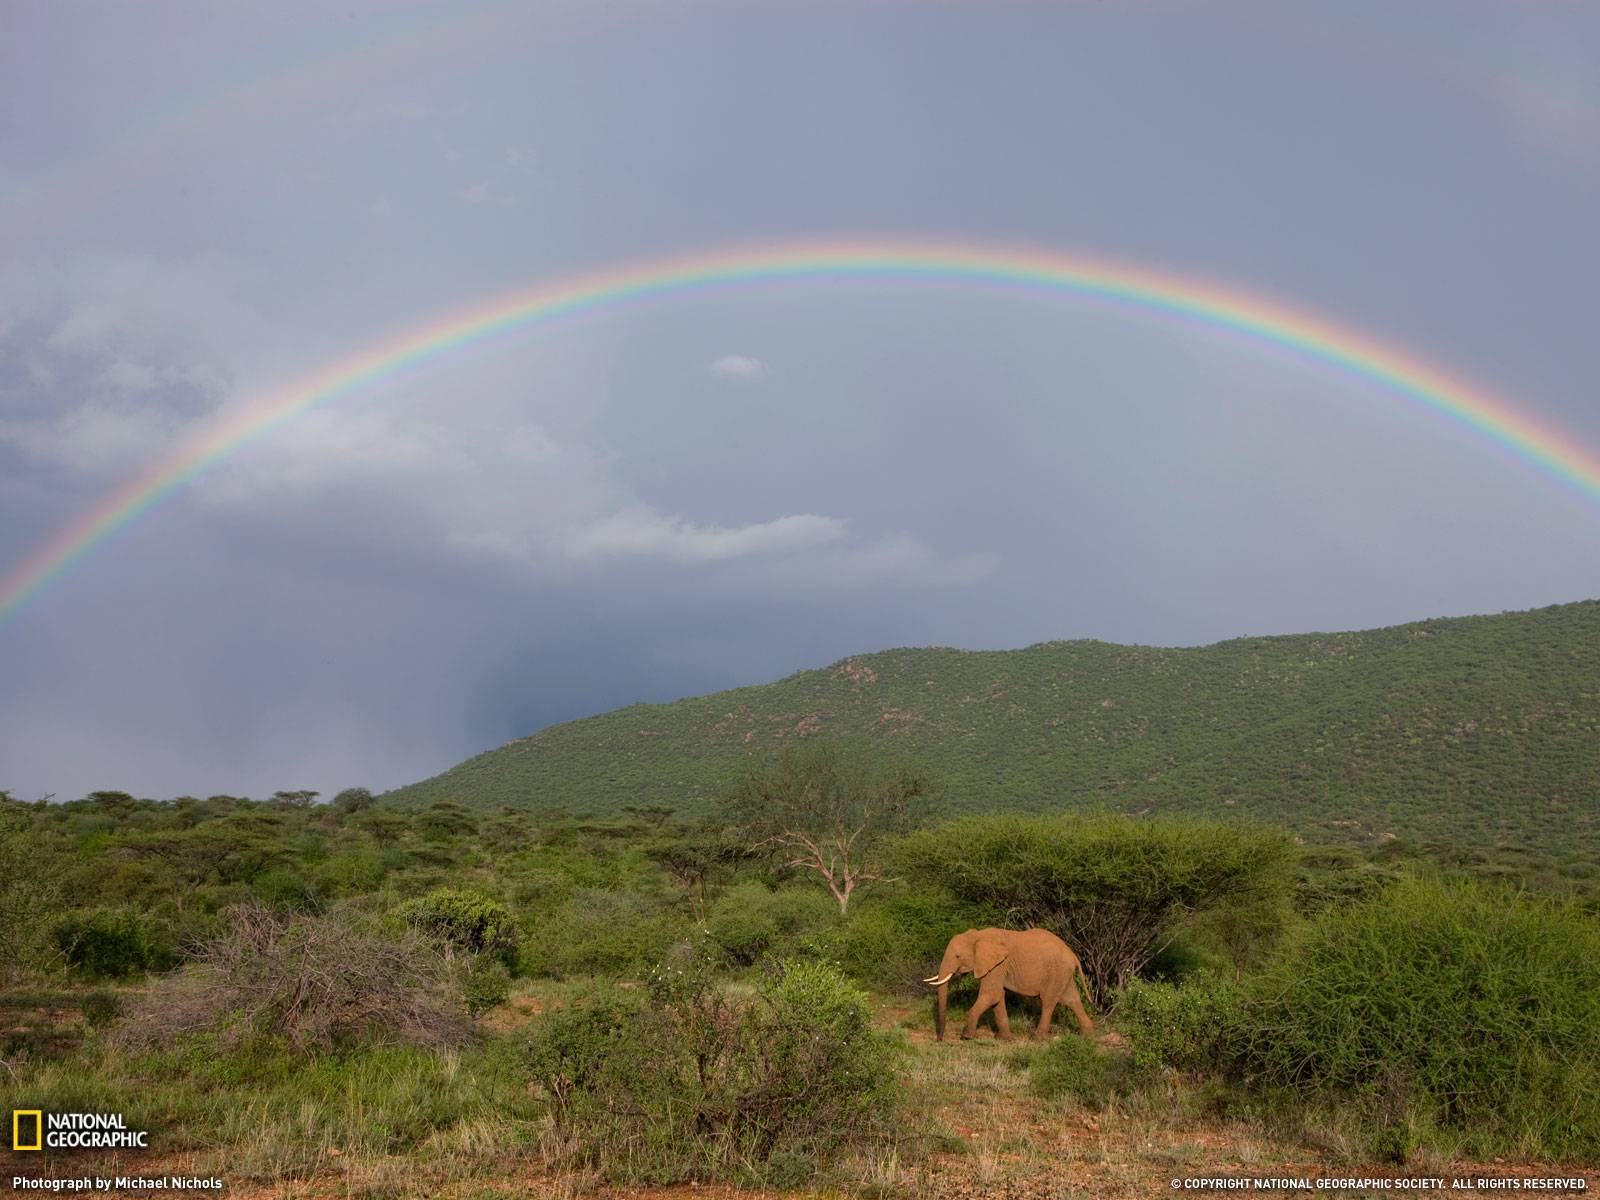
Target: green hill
1475, 730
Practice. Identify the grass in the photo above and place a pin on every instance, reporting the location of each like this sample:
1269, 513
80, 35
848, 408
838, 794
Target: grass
270, 1117
403, 1123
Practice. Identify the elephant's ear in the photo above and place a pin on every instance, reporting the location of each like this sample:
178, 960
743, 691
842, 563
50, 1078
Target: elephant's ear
989, 954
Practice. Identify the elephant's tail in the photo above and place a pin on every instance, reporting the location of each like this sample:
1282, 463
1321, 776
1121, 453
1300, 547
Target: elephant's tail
1081, 982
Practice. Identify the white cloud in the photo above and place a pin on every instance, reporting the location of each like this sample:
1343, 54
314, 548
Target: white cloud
105, 370
642, 533
91, 438
894, 561
405, 110
522, 499
738, 366
485, 194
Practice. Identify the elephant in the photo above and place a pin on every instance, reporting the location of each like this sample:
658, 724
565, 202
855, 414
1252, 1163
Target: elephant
1033, 962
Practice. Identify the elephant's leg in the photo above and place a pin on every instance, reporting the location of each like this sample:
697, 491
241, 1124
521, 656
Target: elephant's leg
1047, 1010
1002, 1019
988, 993
1075, 1003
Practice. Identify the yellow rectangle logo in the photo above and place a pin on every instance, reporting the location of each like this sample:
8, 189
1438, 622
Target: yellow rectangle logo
19, 1125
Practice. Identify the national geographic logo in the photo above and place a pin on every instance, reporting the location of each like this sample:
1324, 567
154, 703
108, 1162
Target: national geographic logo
27, 1129
35, 1129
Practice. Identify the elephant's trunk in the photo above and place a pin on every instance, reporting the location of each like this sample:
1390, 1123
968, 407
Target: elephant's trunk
949, 967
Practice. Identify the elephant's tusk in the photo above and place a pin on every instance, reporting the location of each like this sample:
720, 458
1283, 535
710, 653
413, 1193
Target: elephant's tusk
938, 980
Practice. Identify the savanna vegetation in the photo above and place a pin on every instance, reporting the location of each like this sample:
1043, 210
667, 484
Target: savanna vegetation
446, 999
1476, 737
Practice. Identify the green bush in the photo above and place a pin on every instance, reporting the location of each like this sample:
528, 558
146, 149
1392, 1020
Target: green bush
464, 921
31, 894
690, 1083
600, 933
1184, 1026
101, 1008
1117, 889
111, 945
1076, 1067
541, 888
282, 888
350, 874
1185, 956
749, 920
486, 984
891, 942
1447, 1005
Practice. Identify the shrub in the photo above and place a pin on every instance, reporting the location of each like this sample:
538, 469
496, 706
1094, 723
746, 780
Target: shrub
889, 942
465, 922
313, 982
485, 984
1442, 1004
600, 933
101, 1008
690, 1083
280, 887
110, 945
541, 888
1186, 1026
1076, 1067
30, 894
1184, 957
350, 874
444, 820
749, 920
1117, 889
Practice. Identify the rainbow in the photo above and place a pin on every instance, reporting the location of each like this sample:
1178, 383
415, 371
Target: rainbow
1028, 269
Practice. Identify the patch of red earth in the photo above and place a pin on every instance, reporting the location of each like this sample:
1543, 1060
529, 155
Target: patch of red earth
857, 673
513, 1014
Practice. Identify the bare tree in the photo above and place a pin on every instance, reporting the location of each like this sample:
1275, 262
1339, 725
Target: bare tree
824, 806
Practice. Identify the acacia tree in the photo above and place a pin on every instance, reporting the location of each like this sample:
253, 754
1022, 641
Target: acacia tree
1119, 890
353, 800
824, 807
694, 856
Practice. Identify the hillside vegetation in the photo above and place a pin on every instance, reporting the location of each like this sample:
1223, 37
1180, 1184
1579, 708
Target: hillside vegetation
1474, 731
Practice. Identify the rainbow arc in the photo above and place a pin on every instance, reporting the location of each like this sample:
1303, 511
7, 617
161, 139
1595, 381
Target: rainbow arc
1408, 377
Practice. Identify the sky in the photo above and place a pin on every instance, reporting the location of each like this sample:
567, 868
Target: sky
200, 204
